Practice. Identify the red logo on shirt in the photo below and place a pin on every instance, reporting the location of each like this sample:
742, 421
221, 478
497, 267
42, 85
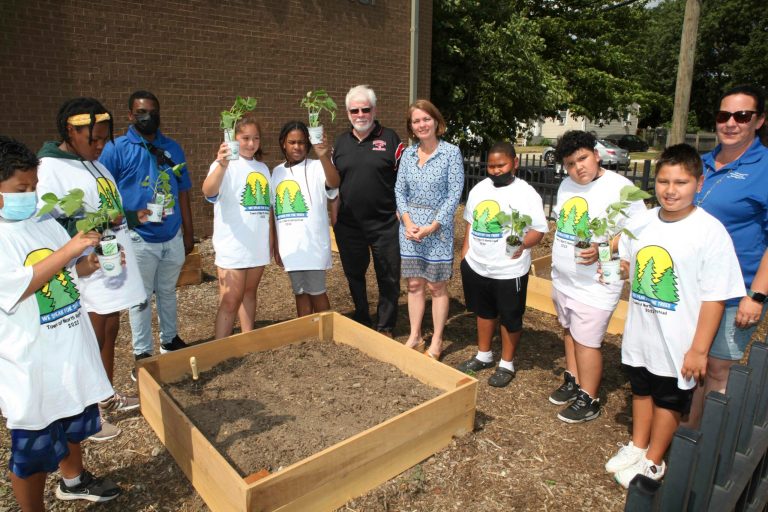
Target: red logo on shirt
379, 145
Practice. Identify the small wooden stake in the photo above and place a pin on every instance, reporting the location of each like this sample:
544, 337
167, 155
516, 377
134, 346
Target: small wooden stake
193, 365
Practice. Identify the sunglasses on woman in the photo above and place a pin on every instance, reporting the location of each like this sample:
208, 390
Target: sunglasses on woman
741, 117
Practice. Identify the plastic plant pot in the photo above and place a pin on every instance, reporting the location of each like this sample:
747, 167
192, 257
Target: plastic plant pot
110, 264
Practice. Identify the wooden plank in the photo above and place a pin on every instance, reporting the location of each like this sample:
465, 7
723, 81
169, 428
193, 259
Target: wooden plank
333, 476
189, 277
176, 364
212, 476
255, 477
409, 361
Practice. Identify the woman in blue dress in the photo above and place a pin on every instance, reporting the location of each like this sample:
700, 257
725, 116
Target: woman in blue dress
428, 189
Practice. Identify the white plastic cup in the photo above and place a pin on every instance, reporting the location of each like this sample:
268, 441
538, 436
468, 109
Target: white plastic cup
234, 145
604, 252
109, 245
155, 212
512, 249
316, 134
611, 271
577, 254
110, 265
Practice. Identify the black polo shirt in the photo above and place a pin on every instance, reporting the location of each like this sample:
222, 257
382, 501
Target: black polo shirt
368, 170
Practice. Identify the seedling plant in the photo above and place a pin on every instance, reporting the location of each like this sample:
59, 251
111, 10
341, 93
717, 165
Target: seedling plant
315, 102
229, 118
161, 186
517, 224
73, 203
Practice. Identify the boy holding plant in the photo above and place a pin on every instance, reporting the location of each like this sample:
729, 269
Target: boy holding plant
584, 305
51, 374
495, 285
682, 267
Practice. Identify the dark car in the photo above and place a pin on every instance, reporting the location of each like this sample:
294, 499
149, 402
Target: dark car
628, 142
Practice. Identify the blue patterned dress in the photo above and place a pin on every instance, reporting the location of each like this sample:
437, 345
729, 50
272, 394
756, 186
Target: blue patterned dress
428, 193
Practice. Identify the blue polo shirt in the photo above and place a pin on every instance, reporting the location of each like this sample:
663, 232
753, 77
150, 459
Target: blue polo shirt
737, 195
131, 163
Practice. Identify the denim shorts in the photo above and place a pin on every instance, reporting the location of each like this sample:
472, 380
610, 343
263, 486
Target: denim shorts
730, 341
40, 451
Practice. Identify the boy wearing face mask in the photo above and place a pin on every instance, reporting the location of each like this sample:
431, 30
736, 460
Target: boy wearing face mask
51, 375
495, 285
135, 160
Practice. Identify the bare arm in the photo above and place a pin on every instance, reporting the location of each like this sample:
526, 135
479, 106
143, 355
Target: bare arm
186, 222
212, 183
465, 245
749, 311
332, 177
695, 360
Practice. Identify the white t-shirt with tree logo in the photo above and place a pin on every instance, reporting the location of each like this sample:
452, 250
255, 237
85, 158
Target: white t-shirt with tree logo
487, 239
50, 366
300, 205
674, 267
241, 215
576, 206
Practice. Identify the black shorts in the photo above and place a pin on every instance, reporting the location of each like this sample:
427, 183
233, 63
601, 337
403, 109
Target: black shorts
495, 298
663, 390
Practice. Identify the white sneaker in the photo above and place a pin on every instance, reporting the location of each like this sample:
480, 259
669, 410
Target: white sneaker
118, 402
627, 456
644, 467
108, 431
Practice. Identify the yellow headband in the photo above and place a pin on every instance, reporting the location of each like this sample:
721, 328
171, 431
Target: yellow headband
85, 119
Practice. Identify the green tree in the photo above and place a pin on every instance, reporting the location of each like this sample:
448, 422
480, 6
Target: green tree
582, 224
666, 288
568, 224
493, 225
262, 195
636, 279
44, 303
299, 205
286, 206
480, 223
646, 280
247, 198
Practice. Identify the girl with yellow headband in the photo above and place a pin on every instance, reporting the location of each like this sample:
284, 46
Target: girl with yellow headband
85, 126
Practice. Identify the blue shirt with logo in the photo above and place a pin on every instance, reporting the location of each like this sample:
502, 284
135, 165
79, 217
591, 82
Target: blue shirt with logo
737, 195
133, 166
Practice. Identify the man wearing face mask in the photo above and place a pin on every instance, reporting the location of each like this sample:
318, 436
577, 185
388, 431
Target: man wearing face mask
135, 159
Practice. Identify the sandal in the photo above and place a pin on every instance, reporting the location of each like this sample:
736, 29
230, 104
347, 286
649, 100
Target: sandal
419, 347
501, 377
433, 356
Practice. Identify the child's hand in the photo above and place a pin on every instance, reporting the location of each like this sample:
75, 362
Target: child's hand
321, 149
518, 253
694, 365
142, 215
221, 156
588, 256
81, 241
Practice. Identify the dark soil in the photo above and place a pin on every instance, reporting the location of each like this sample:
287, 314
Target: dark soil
519, 457
273, 408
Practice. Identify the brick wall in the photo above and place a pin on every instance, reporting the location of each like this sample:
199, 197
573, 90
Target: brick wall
196, 56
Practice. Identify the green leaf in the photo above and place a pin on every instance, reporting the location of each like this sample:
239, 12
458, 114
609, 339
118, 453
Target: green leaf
46, 208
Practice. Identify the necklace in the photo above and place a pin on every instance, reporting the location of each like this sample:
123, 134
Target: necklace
701, 200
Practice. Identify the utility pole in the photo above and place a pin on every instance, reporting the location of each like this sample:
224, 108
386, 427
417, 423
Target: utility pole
685, 72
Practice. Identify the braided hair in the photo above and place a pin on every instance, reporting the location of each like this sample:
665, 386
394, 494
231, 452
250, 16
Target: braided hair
15, 156
77, 106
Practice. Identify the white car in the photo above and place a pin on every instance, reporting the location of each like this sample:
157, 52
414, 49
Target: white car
611, 155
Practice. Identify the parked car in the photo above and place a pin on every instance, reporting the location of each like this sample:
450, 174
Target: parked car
628, 142
611, 156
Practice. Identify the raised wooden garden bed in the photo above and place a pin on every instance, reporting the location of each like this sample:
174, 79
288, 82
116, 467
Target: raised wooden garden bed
331, 477
540, 294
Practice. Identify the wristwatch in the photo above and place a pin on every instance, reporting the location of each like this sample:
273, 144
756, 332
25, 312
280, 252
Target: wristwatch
757, 296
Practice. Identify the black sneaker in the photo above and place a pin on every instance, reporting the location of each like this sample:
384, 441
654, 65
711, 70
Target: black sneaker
136, 358
90, 488
566, 393
584, 408
474, 365
175, 344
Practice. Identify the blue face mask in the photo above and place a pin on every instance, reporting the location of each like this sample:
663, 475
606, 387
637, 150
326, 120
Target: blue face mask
18, 205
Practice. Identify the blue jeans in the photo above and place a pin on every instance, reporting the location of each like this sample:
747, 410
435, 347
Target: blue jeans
159, 265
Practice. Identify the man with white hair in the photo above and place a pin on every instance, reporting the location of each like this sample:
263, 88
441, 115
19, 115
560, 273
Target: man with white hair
367, 157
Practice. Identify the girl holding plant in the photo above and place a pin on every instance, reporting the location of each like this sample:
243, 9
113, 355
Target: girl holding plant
495, 281
427, 191
300, 189
240, 193
84, 126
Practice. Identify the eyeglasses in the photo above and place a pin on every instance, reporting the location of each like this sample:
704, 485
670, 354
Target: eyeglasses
364, 110
741, 117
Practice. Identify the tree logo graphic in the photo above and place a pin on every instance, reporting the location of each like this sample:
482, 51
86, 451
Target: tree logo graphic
58, 297
255, 196
485, 223
655, 281
289, 201
574, 216
108, 196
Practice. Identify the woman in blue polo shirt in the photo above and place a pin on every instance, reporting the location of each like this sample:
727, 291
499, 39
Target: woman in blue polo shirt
735, 191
